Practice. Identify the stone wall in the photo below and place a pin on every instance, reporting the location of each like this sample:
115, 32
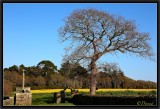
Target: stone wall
8, 102
23, 99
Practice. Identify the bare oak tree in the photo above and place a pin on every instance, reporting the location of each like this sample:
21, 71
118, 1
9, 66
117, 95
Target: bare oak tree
94, 33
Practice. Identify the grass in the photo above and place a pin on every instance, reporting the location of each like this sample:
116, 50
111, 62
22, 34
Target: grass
46, 99
125, 93
128, 93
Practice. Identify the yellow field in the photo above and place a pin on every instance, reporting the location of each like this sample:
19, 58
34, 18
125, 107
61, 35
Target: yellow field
86, 90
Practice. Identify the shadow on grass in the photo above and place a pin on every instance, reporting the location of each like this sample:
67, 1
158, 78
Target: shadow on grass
44, 100
38, 99
69, 99
48, 100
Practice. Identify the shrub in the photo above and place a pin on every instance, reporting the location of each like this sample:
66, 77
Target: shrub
82, 99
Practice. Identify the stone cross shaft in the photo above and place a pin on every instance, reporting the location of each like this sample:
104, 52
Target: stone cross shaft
23, 79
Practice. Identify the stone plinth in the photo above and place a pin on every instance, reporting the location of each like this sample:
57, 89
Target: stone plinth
23, 99
23, 96
21, 90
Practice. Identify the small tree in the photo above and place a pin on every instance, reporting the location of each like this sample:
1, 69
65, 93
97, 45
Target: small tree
95, 33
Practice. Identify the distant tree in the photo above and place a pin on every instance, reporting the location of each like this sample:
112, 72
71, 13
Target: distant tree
13, 68
18, 80
81, 71
72, 70
75, 72
38, 81
11, 76
21, 67
5, 69
95, 33
56, 80
47, 67
47, 64
28, 81
28, 71
67, 69
33, 70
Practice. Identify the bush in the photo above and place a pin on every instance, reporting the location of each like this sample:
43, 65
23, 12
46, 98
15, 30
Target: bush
82, 99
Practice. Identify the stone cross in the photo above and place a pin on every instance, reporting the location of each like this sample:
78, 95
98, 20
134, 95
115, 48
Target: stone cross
23, 79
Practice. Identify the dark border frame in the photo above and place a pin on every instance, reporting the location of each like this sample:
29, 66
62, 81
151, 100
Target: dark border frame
81, 1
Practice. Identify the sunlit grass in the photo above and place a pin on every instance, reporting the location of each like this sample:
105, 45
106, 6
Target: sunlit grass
87, 90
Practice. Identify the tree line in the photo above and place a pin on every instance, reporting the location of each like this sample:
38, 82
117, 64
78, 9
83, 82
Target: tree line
45, 75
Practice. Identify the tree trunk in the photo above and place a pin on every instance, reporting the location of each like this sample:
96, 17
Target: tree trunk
93, 78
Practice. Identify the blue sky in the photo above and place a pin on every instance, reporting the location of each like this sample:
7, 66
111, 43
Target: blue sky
30, 34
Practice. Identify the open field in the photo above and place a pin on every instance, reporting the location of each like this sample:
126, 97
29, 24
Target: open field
87, 90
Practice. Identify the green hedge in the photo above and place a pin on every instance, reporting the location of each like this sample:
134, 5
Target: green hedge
82, 99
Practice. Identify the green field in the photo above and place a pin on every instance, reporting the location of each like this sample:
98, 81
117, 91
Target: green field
46, 99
